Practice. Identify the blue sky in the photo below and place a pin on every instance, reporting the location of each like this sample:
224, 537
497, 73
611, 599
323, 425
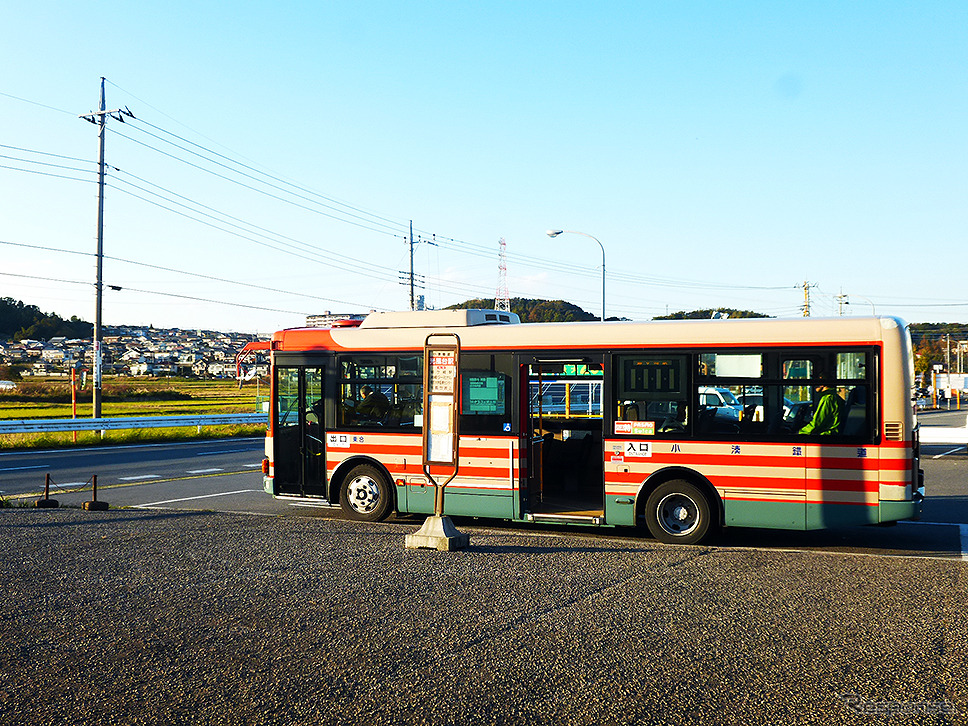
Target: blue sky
723, 153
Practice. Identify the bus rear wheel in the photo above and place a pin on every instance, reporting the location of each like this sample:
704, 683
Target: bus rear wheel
366, 495
678, 512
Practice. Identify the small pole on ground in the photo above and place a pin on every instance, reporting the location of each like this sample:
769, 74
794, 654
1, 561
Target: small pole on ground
94, 505
47, 502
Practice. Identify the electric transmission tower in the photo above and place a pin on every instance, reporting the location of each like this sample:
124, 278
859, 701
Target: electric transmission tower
502, 299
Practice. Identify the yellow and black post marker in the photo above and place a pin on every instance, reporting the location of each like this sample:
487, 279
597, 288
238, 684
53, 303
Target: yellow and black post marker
441, 438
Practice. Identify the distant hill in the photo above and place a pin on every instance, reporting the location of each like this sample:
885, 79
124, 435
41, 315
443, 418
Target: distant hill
19, 321
533, 311
938, 331
709, 313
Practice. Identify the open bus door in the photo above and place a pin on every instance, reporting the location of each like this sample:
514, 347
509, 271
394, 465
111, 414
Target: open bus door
564, 417
300, 452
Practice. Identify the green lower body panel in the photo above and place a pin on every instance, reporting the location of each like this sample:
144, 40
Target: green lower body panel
457, 503
824, 515
620, 511
770, 515
895, 511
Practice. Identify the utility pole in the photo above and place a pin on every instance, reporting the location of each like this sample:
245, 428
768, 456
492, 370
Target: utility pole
412, 279
99, 119
806, 298
411, 267
841, 301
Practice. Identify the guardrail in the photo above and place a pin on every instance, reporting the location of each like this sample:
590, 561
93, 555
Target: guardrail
27, 426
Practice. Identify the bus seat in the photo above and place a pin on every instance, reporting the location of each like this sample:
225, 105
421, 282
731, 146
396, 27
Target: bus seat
855, 418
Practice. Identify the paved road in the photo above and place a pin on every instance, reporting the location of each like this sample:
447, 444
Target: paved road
176, 613
224, 476
124, 465
148, 617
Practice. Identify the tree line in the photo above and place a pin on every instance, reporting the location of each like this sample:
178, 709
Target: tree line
19, 321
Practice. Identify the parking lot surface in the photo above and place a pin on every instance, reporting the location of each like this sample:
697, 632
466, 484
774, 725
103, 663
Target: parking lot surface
161, 616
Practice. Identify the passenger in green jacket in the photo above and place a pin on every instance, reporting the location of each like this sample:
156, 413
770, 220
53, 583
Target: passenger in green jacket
829, 414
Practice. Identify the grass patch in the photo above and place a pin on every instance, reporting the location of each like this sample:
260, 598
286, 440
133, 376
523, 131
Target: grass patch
64, 439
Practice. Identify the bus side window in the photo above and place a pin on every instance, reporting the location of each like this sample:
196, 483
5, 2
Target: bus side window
651, 389
381, 392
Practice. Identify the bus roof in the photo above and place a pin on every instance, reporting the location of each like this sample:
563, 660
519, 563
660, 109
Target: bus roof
736, 332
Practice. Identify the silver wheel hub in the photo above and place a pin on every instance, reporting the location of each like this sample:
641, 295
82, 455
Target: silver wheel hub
677, 514
363, 494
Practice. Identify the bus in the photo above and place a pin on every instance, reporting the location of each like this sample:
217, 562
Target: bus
609, 424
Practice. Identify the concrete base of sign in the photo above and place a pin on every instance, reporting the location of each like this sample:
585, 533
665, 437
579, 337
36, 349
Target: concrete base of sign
438, 533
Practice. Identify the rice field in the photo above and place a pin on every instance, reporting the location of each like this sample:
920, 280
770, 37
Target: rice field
51, 398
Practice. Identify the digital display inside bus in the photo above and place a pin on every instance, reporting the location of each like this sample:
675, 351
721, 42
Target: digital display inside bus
652, 376
483, 394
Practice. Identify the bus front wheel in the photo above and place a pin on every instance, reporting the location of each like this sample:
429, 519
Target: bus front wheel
366, 495
678, 512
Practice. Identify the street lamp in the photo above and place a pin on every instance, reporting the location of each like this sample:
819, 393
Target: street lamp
555, 232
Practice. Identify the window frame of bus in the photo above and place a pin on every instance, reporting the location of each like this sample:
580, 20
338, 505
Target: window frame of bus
493, 365
624, 398
774, 376
388, 385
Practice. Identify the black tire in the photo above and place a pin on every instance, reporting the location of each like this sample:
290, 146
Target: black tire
365, 494
678, 512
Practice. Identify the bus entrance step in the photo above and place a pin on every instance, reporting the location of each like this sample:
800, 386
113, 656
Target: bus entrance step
564, 518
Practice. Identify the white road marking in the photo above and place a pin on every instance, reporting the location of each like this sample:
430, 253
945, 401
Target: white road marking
252, 466
203, 471
22, 468
39, 454
321, 505
953, 451
188, 499
213, 453
136, 478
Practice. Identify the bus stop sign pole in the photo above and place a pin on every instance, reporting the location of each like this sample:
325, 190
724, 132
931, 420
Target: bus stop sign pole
441, 438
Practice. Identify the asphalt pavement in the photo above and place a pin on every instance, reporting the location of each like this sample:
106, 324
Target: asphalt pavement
159, 616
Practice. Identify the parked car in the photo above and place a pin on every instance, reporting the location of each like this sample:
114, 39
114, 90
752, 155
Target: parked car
727, 407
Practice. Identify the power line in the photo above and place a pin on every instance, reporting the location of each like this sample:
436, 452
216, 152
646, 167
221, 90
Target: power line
264, 192
46, 163
313, 248
392, 222
45, 279
388, 225
45, 173
35, 103
215, 302
181, 272
46, 153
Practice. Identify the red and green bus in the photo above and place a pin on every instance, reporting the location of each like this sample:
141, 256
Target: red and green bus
685, 427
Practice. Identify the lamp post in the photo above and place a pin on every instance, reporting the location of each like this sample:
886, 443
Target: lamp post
555, 232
